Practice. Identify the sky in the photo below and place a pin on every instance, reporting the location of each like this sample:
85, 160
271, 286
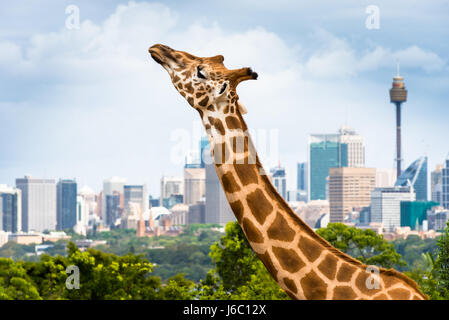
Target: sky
87, 102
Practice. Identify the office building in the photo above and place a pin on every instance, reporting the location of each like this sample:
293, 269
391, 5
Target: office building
445, 185
349, 188
437, 218
136, 194
355, 147
413, 213
301, 178
279, 180
10, 209
38, 203
217, 209
436, 186
385, 177
194, 184
197, 213
66, 204
170, 186
324, 152
386, 205
416, 175
113, 199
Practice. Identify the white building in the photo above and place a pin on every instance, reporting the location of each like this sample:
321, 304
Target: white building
38, 203
171, 186
111, 186
217, 209
386, 205
279, 180
437, 218
10, 209
3, 237
356, 147
194, 185
385, 177
82, 215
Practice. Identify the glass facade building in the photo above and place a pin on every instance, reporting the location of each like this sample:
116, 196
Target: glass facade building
413, 213
66, 204
301, 179
325, 152
416, 175
280, 181
445, 185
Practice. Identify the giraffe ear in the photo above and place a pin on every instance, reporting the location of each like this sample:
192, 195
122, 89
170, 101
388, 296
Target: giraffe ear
242, 108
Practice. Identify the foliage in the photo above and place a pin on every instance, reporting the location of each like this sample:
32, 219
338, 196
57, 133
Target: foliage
414, 251
364, 245
238, 273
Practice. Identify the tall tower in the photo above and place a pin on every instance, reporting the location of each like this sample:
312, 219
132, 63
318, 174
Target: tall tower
398, 95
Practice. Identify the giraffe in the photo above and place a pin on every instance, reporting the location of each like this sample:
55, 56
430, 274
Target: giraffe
304, 264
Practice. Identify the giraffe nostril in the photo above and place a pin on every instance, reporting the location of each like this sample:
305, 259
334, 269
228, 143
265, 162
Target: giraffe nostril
223, 88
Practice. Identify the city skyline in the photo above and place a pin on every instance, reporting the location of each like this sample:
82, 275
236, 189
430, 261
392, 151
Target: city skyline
119, 123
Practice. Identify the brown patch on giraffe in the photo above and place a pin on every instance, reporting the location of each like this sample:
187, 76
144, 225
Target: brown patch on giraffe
288, 259
381, 297
222, 153
176, 79
259, 205
361, 283
280, 230
200, 112
229, 183
399, 294
210, 108
268, 263
237, 208
247, 173
190, 101
344, 293
204, 102
290, 284
189, 87
251, 231
310, 248
232, 109
199, 94
187, 74
345, 272
226, 109
328, 266
232, 122
181, 87
207, 126
314, 287
389, 281
219, 126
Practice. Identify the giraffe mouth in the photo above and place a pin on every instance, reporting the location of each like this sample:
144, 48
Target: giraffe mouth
155, 55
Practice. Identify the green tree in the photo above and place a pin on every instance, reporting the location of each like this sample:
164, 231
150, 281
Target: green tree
442, 263
364, 245
238, 272
15, 284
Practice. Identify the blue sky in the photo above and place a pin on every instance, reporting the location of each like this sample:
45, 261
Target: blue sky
89, 103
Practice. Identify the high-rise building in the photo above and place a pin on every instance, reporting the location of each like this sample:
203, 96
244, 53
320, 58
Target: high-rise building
398, 95
385, 177
413, 213
197, 213
416, 175
279, 180
136, 194
66, 193
170, 186
438, 217
194, 184
386, 205
436, 186
112, 199
82, 215
301, 179
445, 185
10, 209
38, 203
218, 209
325, 151
349, 188
204, 152
355, 145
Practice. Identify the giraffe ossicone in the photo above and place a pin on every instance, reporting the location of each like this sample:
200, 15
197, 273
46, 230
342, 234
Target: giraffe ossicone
304, 264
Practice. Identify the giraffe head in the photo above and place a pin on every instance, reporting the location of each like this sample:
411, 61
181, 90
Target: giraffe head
203, 82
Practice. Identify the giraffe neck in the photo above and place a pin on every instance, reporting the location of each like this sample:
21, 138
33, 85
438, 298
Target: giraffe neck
303, 263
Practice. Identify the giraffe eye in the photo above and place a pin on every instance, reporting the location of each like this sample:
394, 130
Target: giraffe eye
199, 73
